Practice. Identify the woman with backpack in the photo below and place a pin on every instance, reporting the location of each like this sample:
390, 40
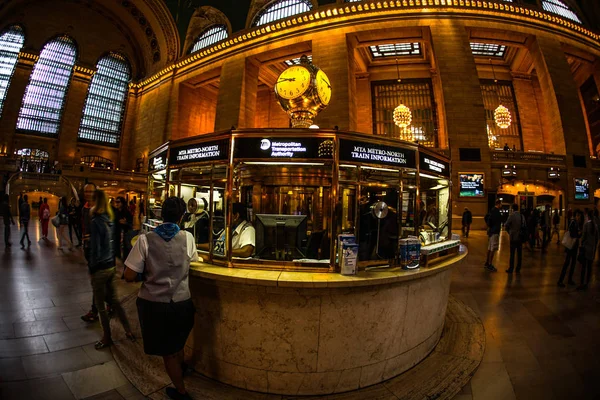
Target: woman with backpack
44, 215
571, 248
589, 242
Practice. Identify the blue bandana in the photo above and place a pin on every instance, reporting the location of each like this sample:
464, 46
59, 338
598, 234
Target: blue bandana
167, 231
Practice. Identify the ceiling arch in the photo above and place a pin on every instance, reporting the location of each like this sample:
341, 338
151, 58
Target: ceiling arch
203, 18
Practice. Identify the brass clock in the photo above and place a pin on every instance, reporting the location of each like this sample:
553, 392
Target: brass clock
303, 91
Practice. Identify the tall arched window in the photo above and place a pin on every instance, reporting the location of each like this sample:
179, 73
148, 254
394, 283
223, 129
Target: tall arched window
105, 103
281, 9
560, 8
210, 36
11, 42
44, 99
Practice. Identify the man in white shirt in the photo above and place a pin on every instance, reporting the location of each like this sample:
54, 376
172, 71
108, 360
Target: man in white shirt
243, 235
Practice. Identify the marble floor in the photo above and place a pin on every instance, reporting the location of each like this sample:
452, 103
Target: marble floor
541, 341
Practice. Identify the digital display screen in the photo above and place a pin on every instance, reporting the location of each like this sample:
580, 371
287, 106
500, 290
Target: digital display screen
582, 189
158, 162
434, 165
472, 185
199, 152
282, 148
371, 153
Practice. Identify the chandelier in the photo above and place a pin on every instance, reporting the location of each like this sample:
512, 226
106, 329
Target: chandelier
492, 139
502, 115
402, 114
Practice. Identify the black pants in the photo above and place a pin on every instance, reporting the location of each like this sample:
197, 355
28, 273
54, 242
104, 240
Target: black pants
6, 232
570, 259
76, 228
25, 227
518, 248
466, 229
546, 237
586, 267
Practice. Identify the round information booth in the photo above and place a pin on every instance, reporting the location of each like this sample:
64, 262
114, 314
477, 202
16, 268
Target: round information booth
331, 296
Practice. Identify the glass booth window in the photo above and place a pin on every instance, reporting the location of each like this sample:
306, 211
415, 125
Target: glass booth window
287, 207
434, 209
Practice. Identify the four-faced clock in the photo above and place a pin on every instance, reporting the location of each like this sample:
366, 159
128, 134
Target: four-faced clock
293, 82
323, 87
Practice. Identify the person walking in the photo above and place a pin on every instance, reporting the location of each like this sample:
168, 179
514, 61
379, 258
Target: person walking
7, 217
142, 212
494, 223
102, 268
467, 220
556, 226
24, 217
546, 227
124, 223
164, 303
63, 220
589, 243
514, 224
74, 218
574, 229
44, 216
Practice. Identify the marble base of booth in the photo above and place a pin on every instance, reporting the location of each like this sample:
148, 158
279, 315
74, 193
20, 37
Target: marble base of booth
440, 375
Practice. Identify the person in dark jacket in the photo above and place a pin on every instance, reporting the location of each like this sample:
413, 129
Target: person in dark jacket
589, 243
24, 217
7, 217
74, 220
467, 220
513, 226
63, 218
494, 223
102, 268
575, 227
124, 224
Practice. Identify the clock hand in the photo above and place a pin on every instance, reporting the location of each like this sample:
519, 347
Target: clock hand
286, 79
327, 83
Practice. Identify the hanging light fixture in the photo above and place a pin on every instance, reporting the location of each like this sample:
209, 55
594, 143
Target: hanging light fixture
502, 115
402, 114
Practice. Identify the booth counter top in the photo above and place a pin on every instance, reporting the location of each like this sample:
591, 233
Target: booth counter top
373, 277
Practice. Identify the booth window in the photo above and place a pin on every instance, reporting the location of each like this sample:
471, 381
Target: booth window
45, 95
417, 94
559, 8
210, 36
488, 50
434, 209
11, 43
281, 9
105, 104
494, 94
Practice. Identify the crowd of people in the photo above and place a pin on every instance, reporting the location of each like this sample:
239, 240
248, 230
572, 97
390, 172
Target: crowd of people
535, 228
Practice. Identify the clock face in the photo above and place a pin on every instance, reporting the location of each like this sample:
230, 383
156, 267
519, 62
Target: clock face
323, 87
293, 82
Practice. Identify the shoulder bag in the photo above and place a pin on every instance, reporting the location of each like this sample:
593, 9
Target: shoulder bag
567, 240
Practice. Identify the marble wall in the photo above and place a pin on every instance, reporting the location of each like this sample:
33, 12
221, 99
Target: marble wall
307, 341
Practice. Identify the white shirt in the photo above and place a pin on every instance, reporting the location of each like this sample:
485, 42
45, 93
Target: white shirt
243, 235
167, 270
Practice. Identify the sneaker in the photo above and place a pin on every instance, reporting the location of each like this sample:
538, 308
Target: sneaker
486, 264
90, 317
491, 268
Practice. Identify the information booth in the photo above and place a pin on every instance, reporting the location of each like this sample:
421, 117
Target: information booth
301, 189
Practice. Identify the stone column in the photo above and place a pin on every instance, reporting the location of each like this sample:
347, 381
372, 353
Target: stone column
527, 104
236, 101
463, 109
563, 108
334, 54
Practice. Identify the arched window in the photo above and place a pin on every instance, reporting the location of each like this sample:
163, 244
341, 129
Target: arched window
210, 36
11, 42
560, 8
281, 9
44, 99
105, 102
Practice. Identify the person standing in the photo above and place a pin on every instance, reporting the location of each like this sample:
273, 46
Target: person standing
74, 216
63, 220
556, 226
122, 227
24, 217
546, 226
102, 268
571, 258
142, 209
494, 223
164, 303
514, 224
7, 217
467, 220
589, 242
44, 215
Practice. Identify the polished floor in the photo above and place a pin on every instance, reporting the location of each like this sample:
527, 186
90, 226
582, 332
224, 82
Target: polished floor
541, 341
